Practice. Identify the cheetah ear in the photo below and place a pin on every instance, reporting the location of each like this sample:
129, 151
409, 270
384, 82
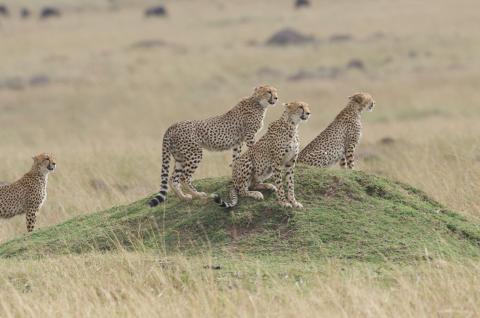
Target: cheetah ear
258, 87
285, 104
358, 98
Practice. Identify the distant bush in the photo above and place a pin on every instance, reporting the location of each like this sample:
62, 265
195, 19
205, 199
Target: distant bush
50, 12
289, 36
4, 11
302, 3
157, 11
24, 13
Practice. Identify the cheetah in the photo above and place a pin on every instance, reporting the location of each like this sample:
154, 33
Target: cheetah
338, 141
186, 140
27, 194
277, 150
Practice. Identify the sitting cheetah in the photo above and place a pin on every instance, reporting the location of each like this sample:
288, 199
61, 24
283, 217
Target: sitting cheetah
186, 140
338, 141
27, 194
276, 150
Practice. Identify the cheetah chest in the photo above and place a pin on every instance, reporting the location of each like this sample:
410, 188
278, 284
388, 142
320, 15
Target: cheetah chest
43, 199
264, 174
39, 196
291, 150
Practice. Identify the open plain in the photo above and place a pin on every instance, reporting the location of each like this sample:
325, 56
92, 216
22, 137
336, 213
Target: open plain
99, 85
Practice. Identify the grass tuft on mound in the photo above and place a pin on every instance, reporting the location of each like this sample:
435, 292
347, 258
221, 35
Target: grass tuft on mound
348, 215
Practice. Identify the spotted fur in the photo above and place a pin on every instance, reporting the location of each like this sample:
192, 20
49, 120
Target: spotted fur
339, 140
185, 141
274, 154
27, 195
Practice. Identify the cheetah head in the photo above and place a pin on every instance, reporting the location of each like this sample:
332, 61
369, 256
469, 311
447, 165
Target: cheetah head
297, 111
266, 95
45, 162
363, 100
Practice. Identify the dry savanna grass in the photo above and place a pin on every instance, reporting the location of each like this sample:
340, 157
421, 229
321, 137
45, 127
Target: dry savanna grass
139, 285
99, 85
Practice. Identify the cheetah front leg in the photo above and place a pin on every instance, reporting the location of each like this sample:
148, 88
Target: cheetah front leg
349, 155
31, 218
343, 162
277, 178
236, 151
250, 138
289, 175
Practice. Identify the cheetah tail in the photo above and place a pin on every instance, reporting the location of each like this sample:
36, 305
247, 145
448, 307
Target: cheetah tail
166, 156
224, 204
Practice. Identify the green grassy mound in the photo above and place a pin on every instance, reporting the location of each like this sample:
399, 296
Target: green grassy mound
348, 215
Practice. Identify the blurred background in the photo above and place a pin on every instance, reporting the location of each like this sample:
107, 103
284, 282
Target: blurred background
97, 82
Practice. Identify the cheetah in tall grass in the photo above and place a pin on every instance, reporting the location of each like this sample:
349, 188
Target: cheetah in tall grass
27, 195
275, 153
186, 140
339, 140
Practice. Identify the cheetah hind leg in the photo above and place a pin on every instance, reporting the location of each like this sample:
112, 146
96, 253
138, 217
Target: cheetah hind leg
175, 181
186, 179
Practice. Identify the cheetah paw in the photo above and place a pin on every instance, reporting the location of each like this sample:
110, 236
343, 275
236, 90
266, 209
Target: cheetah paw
272, 188
297, 205
256, 195
187, 197
285, 204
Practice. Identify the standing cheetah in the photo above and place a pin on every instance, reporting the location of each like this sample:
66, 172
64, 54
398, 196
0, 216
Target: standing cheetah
338, 141
29, 193
186, 140
277, 150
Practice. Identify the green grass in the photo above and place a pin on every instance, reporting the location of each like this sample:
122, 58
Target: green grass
348, 215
